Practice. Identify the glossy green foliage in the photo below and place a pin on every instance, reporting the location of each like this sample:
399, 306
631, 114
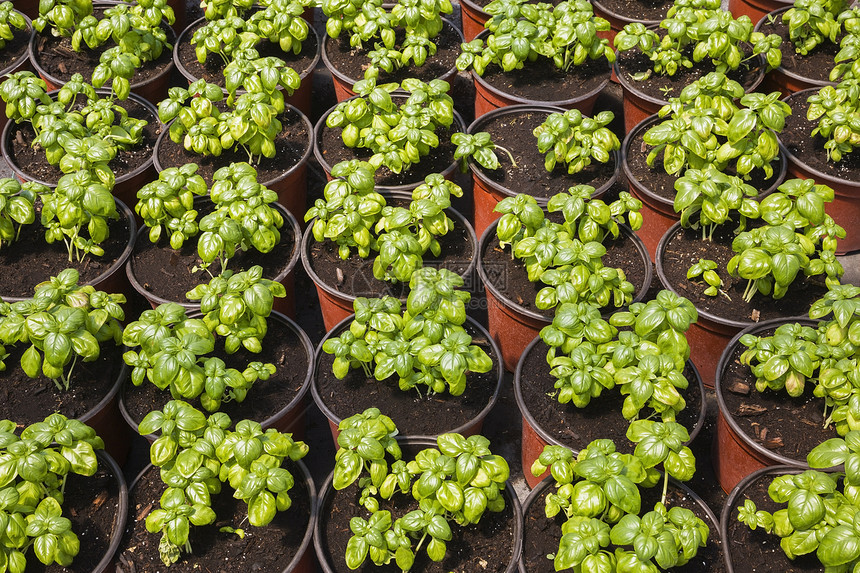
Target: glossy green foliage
9, 19
573, 140
167, 205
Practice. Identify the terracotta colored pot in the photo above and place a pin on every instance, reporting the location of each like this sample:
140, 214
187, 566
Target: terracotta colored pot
659, 212
409, 445
285, 305
152, 90
291, 418
336, 305
735, 455
125, 188
487, 193
534, 437
343, 83
303, 561
472, 427
513, 326
21, 64
755, 9
300, 99
291, 185
180, 14
472, 18
539, 490
845, 208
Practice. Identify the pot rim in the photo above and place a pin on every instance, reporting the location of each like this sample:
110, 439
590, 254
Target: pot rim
6, 151
779, 174
301, 163
425, 441
487, 236
406, 187
622, 18
479, 122
312, 518
308, 239
121, 518
351, 81
268, 422
523, 100
142, 237
498, 364
831, 180
168, 29
26, 53
527, 415
688, 492
183, 36
722, 365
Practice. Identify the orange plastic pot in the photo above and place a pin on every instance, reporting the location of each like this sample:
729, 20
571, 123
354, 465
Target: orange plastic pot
472, 18
845, 208
534, 437
657, 211
343, 83
755, 9
300, 99
735, 455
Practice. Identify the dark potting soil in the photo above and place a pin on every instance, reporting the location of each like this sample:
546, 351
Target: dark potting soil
354, 276
787, 426
633, 61
515, 133
656, 180
33, 162
14, 48
169, 274
414, 415
352, 62
541, 535
638, 10
281, 347
266, 549
815, 65
290, 146
509, 275
484, 547
543, 82
797, 139
213, 69
29, 400
31, 260
437, 161
91, 503
577, 427
686, 248
55, 55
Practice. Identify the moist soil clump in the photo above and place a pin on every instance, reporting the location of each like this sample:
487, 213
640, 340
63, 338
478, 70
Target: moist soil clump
291, 144
352, 62
686, 248
515, 133
30, 260
577, 427
263, 549
541, 80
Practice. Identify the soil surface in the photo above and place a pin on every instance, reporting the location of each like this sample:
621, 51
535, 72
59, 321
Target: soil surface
577, 427
290, 146
787, 426
815, 65
509, 275
637, 10
757, 551
485, 547
169, 274
264, 549
14, 48
514, 132
414, 414
352, 62
797, 138
542, 82
33, 261
212, 70
541, 535
34, 164
281, 347
687, 248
